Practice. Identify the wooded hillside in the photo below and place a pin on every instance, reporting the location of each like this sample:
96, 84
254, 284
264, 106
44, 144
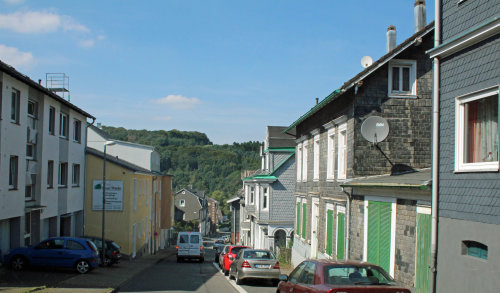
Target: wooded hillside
193, 160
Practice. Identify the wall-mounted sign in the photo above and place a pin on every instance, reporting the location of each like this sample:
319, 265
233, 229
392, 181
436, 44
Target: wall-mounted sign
114, 195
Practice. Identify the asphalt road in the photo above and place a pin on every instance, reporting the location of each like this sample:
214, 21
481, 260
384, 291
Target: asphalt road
191, 276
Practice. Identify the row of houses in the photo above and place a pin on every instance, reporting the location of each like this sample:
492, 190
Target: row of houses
399, 166
52, 159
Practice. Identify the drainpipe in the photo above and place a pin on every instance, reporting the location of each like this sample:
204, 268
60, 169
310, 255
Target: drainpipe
348, 222
435, 149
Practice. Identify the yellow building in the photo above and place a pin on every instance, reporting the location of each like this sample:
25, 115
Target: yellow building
138, 204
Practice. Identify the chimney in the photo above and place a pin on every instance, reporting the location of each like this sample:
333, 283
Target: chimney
419, 15
391, 38
317, 101
40, 82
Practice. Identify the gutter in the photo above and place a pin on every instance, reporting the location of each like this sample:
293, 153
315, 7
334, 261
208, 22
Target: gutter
435, 149
348, 222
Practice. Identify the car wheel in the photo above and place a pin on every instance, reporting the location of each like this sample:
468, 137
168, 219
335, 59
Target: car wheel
275, 282
82, 266
226, 272
18, 263
108, 262
239, 281
231, 276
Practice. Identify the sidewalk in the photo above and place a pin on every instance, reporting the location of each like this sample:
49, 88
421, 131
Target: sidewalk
102, 279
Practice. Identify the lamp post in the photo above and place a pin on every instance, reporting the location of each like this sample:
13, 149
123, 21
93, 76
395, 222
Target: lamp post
103, 242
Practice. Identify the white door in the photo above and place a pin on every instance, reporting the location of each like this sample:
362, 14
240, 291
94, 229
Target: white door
314, 229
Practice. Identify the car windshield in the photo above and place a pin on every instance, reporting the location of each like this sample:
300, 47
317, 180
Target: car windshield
356, 275
235, 250
115, 246
258, 254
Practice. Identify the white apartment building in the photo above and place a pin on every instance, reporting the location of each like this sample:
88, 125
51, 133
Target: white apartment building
42, 162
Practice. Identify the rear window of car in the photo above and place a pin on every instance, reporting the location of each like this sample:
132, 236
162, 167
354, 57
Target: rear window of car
115, 246
256, 254
195, 239
184, 238
73, 245
235, 250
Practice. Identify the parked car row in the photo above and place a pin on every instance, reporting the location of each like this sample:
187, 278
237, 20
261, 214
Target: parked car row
324, 275
82, 254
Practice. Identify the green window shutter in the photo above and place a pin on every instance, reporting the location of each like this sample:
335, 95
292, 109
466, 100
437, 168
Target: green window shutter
304, 220
423, 253
329, 232
379, 234
340, 235
298, 218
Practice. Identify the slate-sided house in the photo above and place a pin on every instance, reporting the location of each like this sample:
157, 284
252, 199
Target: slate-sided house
192, 205
466, 164
269, 192
351, 202
42, 162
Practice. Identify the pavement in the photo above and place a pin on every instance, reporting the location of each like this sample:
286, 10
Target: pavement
102, 279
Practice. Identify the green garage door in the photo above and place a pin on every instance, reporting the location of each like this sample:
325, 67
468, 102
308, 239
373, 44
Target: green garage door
379, 234
423, 254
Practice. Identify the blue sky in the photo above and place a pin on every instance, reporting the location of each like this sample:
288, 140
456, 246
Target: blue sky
224, 68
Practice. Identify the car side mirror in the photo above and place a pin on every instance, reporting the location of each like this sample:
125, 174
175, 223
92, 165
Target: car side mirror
283, 278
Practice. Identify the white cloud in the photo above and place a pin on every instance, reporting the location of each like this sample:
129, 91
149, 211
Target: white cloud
178, 101
34, 22
162, 118
101, 37
13, 1
16, 58
87, 43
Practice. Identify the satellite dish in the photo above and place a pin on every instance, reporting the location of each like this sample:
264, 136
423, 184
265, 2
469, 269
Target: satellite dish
375, 129
366, 61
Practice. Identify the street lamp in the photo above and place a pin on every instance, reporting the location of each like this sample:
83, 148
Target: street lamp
103, 242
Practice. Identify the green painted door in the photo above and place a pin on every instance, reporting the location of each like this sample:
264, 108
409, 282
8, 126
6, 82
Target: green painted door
423, 254
304, 220
329, 232
340, 235
379, 234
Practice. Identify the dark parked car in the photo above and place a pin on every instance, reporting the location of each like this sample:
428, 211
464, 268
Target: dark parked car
218, 250
330, 276
65, 252
112, 250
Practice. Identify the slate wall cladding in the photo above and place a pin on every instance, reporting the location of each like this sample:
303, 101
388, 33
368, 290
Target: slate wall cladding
282, 199
458, 18
466, 196
356, 229
406, 213
276, 159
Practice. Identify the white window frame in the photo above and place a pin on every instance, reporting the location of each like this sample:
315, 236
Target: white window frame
299, 162
76, 173
182, 202
265, 195
252, 194
460, 165
15, 106
63, 174
342, 152
32, 155
316, 156
412, 64
52, 120
50, 174
305, 158
63, 125
330, 168
77, 130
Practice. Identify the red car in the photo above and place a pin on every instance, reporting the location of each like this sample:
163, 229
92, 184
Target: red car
330, 276
228, 258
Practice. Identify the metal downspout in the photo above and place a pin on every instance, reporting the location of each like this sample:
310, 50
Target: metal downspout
435, 149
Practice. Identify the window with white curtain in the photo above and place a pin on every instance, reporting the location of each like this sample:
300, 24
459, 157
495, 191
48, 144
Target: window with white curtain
304, 160
299, 162
477, 138
342, 152
330, 160
316, 158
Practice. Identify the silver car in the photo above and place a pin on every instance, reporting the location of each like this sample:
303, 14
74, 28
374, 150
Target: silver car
255, 264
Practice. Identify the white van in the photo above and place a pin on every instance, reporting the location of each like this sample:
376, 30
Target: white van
189, 246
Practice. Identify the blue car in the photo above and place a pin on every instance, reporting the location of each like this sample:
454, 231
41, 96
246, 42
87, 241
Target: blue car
64, 252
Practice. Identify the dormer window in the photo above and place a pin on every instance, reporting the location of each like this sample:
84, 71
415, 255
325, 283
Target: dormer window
402, 79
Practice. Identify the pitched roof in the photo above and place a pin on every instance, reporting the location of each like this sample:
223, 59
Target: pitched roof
363, 74
25, 79
118, 161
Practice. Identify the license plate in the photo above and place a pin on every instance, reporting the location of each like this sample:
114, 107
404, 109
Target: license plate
262, 266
